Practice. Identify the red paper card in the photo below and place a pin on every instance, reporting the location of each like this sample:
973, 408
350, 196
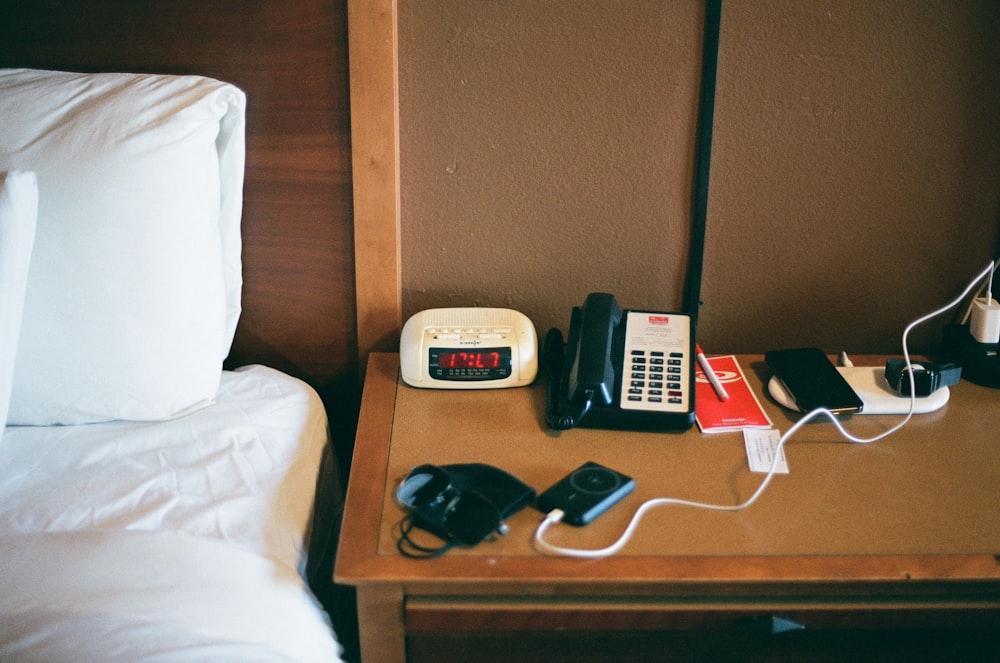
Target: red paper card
741, 410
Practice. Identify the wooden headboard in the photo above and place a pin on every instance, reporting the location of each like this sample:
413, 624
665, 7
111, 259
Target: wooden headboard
300, 300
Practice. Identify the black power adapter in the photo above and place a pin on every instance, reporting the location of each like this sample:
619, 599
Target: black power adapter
980, 362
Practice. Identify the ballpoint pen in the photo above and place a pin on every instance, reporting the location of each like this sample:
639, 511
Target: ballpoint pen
713, 379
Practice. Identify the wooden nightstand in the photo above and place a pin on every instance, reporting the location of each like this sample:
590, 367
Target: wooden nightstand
900, 537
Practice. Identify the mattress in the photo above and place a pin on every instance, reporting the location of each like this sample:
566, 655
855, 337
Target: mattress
175, 540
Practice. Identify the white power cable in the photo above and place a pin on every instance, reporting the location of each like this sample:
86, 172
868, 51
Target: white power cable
556, 515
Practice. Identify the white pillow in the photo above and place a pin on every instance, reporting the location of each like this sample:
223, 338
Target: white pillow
134, 288
18, 212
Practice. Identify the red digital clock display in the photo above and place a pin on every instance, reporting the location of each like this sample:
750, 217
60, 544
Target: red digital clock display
479, 364
489, 359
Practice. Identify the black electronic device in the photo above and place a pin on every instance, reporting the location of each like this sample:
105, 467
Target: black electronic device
980, 362
812, 381
585, 493
928, 377
622, 370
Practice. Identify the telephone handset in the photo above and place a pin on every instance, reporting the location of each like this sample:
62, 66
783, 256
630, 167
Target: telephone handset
622, 370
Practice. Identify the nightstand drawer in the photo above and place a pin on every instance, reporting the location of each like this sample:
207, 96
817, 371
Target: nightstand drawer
442, 614
525, 629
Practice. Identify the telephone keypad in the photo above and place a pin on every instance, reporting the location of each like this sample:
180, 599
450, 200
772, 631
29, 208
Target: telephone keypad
658, 358
648, 386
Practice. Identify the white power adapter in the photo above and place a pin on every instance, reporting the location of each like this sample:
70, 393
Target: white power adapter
985, 322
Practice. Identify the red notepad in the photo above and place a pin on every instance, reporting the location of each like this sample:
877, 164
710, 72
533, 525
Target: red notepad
741, 410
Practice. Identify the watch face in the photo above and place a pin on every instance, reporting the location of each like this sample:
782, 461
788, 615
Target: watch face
469, 365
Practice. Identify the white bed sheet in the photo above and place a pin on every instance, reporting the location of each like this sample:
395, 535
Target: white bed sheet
177, 540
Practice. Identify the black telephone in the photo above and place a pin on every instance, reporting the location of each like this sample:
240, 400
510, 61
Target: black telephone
621, 370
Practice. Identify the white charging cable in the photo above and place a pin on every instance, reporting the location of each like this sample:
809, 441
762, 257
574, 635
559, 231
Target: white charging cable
556, 515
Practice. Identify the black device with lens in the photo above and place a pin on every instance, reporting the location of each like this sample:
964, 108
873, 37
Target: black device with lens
461, 504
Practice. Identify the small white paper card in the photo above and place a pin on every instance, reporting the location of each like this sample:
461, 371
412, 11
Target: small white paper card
761, 445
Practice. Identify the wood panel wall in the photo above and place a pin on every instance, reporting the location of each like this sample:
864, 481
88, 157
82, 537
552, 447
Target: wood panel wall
299, 311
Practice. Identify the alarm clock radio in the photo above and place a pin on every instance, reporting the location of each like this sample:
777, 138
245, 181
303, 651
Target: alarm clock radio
468, 348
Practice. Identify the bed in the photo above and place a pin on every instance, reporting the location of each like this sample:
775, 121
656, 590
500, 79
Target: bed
184, 320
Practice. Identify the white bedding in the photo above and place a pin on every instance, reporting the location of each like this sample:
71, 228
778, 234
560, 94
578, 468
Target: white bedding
173, 541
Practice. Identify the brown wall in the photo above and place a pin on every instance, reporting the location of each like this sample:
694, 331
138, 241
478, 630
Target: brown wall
546, 152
